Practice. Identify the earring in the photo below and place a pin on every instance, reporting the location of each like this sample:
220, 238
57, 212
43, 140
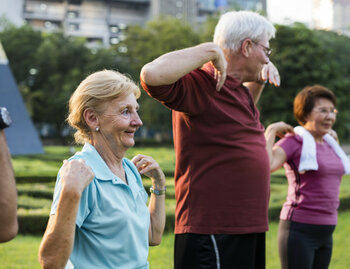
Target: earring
97, 129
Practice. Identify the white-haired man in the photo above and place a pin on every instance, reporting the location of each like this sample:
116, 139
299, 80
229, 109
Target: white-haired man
222, 167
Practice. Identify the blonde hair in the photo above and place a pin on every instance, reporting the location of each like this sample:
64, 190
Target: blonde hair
93, 93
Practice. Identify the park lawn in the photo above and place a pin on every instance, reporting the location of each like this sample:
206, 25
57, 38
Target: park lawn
48, 164
35, 197
21, 253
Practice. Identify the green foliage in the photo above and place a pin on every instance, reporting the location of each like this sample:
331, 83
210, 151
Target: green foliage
208, 27
35, 187
49, 66
144, 44
165, 34
307, 57
32, 224
20, 45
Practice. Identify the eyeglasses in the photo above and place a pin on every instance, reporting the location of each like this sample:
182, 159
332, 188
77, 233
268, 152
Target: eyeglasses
267, 50
325, 111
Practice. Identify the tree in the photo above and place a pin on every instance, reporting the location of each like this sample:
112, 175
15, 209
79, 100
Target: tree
62, 63
49, 66
207, 29
144, 45
20, 45
306, 57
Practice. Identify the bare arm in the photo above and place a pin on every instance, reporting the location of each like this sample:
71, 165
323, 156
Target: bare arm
270, 74
57, 242
149, 167
171, 66
276, 154
8, 194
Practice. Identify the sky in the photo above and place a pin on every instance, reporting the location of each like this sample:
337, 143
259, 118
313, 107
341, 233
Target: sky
283, 11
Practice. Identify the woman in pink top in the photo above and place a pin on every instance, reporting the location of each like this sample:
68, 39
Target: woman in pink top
309, 215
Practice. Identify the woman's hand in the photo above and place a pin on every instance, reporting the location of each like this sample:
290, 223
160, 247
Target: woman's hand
276, 154
334, 135
147, 166
76, 175
280, 128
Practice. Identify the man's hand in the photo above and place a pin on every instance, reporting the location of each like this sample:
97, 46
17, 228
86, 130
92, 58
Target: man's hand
270, 73
220, 66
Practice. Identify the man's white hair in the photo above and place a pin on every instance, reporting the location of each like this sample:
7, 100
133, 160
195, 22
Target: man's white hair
235, 26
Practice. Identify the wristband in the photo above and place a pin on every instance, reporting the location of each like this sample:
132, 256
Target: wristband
157, 192
5, 119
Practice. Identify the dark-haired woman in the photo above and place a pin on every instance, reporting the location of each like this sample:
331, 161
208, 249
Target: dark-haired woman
314, 165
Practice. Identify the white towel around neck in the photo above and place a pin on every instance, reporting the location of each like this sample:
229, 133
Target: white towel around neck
308, 159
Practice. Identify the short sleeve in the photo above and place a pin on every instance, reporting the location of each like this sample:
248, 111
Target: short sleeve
84, 207
188, 94
56, 195
290, 144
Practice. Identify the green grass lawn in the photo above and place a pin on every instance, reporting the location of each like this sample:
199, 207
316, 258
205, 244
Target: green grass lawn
21, 252
48, 164
36, 176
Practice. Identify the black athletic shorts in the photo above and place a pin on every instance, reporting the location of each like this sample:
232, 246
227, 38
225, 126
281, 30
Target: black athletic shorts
219, 251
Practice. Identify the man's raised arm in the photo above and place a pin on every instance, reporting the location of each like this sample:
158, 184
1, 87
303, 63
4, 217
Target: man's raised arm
171, 66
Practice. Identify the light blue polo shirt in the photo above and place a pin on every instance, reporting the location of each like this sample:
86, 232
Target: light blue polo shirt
113, 219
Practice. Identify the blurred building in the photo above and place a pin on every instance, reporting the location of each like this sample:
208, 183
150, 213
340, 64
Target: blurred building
103, 21
100, 21
331, 15
208, 7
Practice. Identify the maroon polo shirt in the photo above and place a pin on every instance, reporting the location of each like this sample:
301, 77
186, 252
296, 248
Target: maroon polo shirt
222, 167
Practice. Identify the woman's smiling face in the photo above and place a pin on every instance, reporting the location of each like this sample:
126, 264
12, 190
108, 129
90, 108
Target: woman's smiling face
119, 122
322, 117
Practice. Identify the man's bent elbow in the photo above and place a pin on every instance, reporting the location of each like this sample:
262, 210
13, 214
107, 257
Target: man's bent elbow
9, 233
146, 74
150, 74
155, 242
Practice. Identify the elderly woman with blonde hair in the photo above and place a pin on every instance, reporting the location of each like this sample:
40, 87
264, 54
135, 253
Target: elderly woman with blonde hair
99, 217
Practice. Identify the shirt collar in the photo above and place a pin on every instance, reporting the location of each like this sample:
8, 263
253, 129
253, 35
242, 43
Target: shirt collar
98, 165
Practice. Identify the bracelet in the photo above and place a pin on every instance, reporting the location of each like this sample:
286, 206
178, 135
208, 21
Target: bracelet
157, 192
